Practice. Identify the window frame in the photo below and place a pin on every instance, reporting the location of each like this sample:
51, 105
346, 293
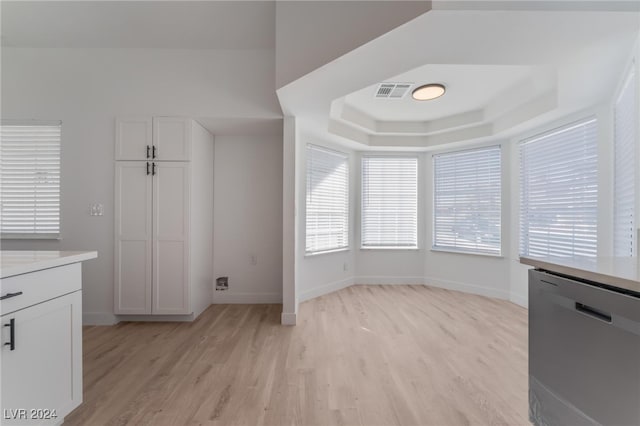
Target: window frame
542, 132
346, 156
630, 76
415, 156
51, 236
500, 209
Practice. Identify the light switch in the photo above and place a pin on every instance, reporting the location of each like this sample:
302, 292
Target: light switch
96, 209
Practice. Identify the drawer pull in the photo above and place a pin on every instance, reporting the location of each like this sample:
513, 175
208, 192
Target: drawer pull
10, 295
12, 334
593, 312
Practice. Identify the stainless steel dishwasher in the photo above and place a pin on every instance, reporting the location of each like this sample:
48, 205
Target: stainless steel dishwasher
584, 353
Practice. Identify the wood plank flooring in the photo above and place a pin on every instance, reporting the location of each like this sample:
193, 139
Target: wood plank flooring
366, 355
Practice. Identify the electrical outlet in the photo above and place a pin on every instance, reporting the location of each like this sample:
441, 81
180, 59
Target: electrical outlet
345, 267
96, 209
254, 259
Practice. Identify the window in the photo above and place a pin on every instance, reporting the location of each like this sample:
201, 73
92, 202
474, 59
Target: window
30, 180
559, 192
327, 200
625, 142
389, 202
467, 194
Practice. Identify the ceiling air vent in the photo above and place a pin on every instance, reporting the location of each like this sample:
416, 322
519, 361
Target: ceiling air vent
393, 90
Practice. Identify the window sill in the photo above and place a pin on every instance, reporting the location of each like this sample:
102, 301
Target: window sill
472, 253
390, 248
318, 253
36, 237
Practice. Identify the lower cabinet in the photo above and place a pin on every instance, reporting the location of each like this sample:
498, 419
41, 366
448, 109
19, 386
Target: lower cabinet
41, 359
152, 238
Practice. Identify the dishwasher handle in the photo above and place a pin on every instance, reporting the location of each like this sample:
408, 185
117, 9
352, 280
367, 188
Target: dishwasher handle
593, 312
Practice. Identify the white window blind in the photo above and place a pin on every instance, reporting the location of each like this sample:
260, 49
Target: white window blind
327, 200
559, 192
30, 180
625, 145
467, 201
389, 202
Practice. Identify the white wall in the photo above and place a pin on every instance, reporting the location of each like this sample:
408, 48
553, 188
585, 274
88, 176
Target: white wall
290, 202
310, 34
473, 273
494, 276
518, 272
321, 273
87, 89
248, 218
382, 266
501, 277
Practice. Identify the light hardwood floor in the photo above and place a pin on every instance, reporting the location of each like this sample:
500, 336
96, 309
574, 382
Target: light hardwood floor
366, 355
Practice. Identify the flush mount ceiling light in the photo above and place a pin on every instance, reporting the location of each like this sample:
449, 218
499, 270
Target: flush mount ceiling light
428, 92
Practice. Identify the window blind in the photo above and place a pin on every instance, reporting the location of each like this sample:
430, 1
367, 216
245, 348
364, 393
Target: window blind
467, 201
559, 192
30, 180
327, 200
389, 202
625, 158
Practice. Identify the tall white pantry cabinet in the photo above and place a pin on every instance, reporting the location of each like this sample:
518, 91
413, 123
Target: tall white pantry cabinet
163, 216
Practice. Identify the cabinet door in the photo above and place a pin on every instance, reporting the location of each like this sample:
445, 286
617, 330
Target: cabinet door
171, 193
133, 138
44, 370
133, 230
172, 138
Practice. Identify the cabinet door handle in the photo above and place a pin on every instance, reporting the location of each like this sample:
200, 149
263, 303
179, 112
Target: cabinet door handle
10, 295
154, 152
147, 168
148, 148
153, 169
12, 334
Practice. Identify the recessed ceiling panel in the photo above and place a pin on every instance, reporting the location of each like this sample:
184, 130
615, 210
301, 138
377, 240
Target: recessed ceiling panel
468, 87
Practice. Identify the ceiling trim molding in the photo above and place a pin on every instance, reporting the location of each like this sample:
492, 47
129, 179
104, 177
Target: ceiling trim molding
539, 5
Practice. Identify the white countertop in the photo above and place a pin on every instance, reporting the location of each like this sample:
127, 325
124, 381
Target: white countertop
620, 272
24, 261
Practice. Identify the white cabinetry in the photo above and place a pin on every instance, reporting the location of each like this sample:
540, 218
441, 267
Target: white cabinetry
134, 138
172, 138
133, 237
170, 260
41, 353
164, 221
157, 138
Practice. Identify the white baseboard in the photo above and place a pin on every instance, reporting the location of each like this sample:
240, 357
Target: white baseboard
225, 297
288, 318
467, 288
410, 280
376, 280
200, 309
325, 289
99, 318
157, 318
519, 299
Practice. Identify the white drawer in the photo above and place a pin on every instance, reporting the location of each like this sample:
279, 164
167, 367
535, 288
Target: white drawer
39, 286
